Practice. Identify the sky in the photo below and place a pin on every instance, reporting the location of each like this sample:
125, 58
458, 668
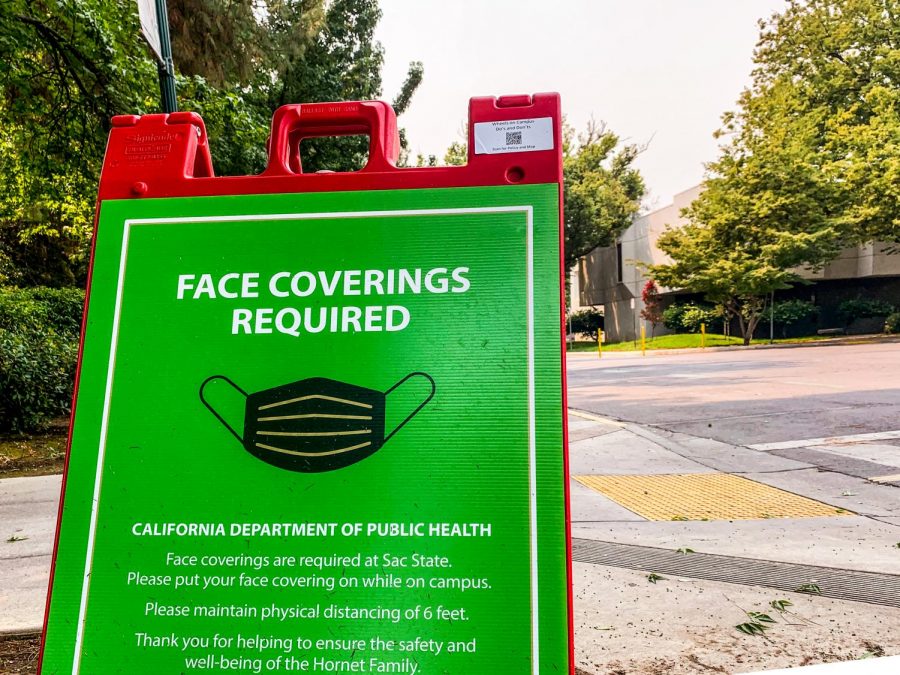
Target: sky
656, 71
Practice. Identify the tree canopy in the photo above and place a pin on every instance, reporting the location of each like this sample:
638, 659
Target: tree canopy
829, 70
603, 189
67, 67
824, 108
810, 162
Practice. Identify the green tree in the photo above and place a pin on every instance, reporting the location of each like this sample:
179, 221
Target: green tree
67, 67
811, 159
586, 322
762, 216
457, 154
740, 244
312, 54
602, 192
765, 213
827, 77
238, 42
232, 57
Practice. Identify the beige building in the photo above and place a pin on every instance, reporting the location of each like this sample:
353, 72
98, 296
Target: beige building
612, 277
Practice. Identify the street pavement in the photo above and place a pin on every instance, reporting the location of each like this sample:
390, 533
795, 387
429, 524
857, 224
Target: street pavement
680, 415
824, 405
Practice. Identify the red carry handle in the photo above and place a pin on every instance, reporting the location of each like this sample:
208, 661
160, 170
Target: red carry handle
292, 123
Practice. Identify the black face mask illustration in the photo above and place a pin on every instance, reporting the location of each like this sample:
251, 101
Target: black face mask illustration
315, 424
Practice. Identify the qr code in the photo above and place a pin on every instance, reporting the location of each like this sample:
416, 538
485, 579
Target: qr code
514, 138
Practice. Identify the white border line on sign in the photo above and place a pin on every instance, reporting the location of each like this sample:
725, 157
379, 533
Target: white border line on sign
532, 442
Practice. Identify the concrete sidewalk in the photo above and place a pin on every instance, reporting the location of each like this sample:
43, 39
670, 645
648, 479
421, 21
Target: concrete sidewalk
864, 542
28, 509
625, 623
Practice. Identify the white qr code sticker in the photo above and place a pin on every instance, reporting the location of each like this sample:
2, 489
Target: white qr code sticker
492, 138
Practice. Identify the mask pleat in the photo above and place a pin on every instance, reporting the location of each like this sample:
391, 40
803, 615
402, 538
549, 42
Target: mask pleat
315, 396
353, 432
311, 416
313, 454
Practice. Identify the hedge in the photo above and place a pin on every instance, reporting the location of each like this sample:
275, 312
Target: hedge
892, 323
39, 330
586, 322
687, 317
863, 308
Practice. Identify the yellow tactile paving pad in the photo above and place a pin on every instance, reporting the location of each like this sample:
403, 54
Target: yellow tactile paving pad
705, 496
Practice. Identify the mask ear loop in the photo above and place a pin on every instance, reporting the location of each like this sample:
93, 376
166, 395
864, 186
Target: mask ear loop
421, 405
213, 411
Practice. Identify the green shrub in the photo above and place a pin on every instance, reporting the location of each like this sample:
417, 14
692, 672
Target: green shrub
687, 317
789, 312
694, 316
38, 352
587, 322
19, 313
863, 308
64, 306
672, 316
37, 373
892, 323
41, 309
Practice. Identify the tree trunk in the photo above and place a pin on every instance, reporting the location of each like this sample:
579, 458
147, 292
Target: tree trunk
751, 326
743, 328
747, 324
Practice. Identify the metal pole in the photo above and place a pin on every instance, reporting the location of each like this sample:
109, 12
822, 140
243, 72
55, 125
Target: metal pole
167, 67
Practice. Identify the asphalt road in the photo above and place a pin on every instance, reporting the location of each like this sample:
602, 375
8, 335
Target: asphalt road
747, 397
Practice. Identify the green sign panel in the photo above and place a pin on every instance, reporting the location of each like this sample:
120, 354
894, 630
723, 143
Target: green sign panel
319, 433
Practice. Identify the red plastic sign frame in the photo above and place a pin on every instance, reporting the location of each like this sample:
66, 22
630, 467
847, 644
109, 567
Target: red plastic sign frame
168, 156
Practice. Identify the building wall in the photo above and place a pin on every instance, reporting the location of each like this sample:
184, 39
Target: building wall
867, 260
598, 272
860, 270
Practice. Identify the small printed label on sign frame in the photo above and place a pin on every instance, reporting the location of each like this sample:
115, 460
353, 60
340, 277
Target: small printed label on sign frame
492, 138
